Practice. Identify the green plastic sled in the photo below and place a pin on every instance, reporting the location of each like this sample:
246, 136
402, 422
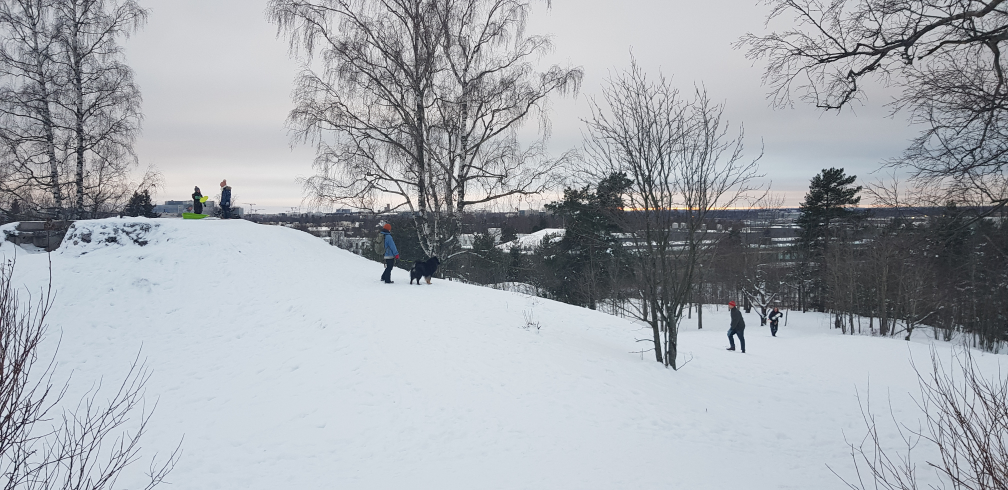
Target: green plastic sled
193, 216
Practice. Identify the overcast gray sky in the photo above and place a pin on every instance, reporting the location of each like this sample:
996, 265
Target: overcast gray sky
216, 84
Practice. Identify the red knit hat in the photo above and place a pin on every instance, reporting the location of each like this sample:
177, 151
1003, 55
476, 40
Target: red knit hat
731, 304
387, 227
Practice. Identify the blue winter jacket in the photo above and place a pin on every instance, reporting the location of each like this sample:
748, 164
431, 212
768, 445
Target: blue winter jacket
225, 196
390, 249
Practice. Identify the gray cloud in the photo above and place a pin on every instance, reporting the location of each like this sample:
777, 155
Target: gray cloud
216, 84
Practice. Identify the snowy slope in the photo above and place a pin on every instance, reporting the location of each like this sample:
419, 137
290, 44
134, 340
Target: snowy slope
285, 363
532, 241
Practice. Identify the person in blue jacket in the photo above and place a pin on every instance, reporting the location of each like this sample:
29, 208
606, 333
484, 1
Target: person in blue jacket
225, 200
391, 253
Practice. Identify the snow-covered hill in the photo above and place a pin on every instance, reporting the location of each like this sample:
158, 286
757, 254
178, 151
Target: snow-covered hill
533, 240
285, 363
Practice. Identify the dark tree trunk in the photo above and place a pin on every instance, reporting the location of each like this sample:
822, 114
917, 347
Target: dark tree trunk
78, 86
673, 351
656, 328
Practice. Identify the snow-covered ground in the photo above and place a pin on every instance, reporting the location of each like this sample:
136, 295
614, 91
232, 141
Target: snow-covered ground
285, 363
532, 241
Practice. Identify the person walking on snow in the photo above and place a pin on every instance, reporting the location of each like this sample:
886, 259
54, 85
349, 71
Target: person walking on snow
225, 200
737, 327
774, 320
197, 203
391, 253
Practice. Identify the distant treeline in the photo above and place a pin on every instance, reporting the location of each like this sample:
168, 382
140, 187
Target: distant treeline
941, 267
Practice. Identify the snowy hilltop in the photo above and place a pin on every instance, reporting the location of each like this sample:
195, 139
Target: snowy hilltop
286, 363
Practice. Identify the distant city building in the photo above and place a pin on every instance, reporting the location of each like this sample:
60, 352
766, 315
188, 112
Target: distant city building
176, 208
172, 208
337, 236
354, 244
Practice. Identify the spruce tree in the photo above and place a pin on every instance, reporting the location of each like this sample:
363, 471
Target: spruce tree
582, 262
830, 201
140, 205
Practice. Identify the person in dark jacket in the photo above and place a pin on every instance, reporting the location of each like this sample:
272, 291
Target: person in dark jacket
774, 320
391, 253
197, 203
225, 200
737, 327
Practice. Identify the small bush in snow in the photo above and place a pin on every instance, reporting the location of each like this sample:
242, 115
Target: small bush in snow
530, 321
966, 424
86, 448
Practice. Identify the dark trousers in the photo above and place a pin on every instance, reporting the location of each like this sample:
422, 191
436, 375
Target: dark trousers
773, 328
225, 212
197, 206
387, 275
741, 337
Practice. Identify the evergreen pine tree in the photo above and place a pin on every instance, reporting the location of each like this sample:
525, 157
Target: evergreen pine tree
518, 265
581, 263
829, 201
140, 205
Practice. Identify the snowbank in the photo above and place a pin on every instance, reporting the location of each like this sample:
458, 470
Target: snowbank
532, 241
88, 236
285, 363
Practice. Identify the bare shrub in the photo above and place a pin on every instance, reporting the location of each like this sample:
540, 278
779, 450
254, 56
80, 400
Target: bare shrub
966, 424
683, 163
84, 448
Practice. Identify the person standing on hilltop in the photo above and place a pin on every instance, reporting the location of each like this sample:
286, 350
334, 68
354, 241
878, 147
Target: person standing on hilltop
225, 200
391, 253
737, 327
197, 201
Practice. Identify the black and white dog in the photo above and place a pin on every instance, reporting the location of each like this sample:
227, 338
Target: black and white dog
424, 269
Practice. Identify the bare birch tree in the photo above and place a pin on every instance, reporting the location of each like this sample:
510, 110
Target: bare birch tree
490, 87
419, 102
683, 164
29, 101
945, 56
68, 103
101, 101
